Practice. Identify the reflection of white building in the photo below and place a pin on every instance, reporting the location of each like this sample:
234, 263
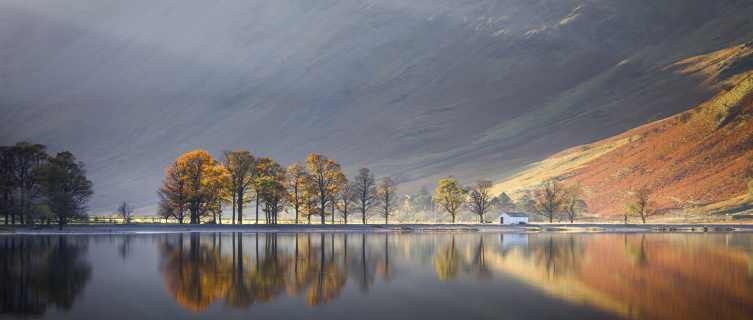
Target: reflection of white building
512, 218
513, 239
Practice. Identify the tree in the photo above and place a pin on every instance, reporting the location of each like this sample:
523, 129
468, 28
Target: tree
164, 209
24, 159
573, 203
241, 167
549, 199
65, 188
125, 211
174, 193
386, 195
421, 199
641, 205
450, 196
297, 179
191, 183
266, 167
479, 198
274, 195
364, 190
326, 177
346, 197
505, 204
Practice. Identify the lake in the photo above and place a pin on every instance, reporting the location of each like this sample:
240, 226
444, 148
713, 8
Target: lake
377, 276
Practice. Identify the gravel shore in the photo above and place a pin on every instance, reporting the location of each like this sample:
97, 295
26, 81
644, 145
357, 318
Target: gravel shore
376, 228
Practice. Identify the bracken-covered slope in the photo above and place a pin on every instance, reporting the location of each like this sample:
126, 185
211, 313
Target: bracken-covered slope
699, 161
413, 89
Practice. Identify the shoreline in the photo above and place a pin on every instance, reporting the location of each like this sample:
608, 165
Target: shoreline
376, 228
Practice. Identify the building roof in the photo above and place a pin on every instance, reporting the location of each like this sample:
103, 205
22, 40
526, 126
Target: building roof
515, 214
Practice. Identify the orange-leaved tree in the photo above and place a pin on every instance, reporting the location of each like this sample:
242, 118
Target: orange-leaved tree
241, 167
266, 167
191, 183
297, 179
326, 178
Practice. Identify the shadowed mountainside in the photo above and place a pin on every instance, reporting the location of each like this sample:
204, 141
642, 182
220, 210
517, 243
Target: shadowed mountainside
413, 89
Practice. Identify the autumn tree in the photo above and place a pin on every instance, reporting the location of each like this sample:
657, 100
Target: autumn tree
479, 198
266, 167
346, 198
326, 177
297, 179
641, 205
386, 195
174, 194
450, 195
573, 202
549, 198
364, 190
241, 167
197, 174
125, 211
274, 195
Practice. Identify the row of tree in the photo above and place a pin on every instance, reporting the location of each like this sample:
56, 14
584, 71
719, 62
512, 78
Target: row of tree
198, 186
37, 187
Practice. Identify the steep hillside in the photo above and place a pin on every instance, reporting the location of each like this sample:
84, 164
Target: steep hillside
699, 161
413, 89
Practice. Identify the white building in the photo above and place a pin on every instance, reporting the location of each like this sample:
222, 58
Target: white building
512, 218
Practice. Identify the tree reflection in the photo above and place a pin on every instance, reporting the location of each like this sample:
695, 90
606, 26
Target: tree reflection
41, 271
559, 256
198, 273
449, 262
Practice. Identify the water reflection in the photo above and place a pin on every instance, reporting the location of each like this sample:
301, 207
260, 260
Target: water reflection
642, 275
658, 276
40, 272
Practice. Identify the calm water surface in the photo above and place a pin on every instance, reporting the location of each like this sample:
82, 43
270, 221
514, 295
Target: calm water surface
377, 276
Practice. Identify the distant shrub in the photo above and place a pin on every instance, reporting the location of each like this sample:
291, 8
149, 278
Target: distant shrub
656, 117
684, 117
585, 148
728, 86
645, 134
750, 187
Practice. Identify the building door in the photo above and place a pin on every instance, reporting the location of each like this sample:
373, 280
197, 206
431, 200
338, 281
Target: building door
501, 220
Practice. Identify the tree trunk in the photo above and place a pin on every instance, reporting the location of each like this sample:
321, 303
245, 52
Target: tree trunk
233, 220
333, 211
257, 210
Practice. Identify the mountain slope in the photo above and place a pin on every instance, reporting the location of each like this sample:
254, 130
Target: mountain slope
700, 161
413, 89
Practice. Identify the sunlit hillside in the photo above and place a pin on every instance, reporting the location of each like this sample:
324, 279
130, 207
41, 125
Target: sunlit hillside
699, 161
416, 90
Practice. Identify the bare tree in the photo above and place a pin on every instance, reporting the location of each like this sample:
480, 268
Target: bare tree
164, 209
549, 199
641, 205
574, 203
364, 190
479, 198
125, 211
346, 197
386, 195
